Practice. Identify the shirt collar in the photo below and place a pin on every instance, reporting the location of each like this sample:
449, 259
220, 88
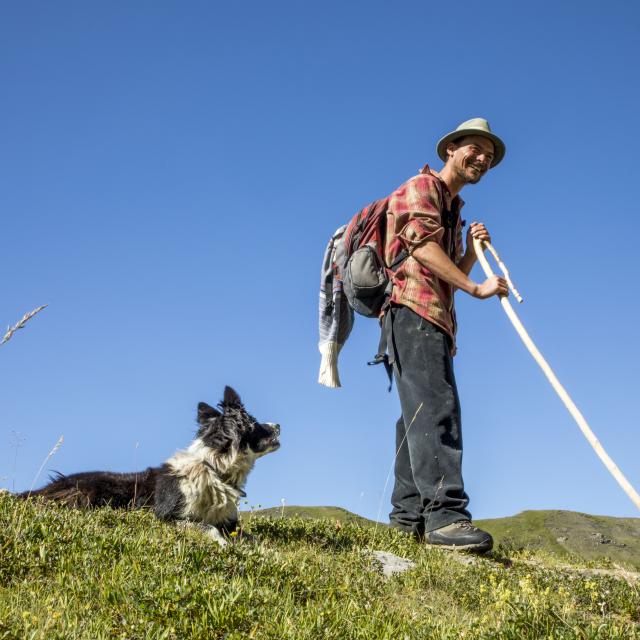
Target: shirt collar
453, 204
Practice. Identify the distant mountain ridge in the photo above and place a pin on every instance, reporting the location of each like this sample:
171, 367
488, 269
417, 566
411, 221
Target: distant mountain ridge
564, 534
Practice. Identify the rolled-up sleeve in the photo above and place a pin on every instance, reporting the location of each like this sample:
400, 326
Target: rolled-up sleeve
416, 209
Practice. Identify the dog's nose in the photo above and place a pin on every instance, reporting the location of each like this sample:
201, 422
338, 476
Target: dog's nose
275, 427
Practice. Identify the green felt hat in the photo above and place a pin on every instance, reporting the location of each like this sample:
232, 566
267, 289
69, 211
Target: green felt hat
473, 127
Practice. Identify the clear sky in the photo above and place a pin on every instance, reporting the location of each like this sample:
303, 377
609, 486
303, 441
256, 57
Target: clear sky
171, 171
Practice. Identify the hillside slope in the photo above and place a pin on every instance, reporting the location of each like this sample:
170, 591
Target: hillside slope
566, 535
74, 575
329, 513
569, 534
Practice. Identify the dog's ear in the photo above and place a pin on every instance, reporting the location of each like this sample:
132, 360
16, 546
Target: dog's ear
206, 413
231, 398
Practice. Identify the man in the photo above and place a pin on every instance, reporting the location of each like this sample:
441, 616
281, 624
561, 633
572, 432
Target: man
423, 219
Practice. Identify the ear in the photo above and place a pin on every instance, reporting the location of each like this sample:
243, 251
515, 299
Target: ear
206, 413
231, 397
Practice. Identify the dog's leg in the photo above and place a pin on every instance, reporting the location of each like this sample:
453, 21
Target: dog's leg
208, 529
214, 534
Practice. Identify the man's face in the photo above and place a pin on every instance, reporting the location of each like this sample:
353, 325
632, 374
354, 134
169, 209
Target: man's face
472, 157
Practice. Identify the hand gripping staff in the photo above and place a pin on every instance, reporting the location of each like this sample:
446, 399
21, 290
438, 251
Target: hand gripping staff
480, 246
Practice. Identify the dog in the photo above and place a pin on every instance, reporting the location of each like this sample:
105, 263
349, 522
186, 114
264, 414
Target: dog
200, 485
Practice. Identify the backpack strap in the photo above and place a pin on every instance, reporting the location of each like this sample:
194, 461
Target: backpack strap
400, 258
386, 345
382, 357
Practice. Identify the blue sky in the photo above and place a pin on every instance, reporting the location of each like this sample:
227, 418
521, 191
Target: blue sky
170, 173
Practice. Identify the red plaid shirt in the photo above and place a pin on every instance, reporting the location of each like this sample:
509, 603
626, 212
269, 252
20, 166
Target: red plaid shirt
417, 215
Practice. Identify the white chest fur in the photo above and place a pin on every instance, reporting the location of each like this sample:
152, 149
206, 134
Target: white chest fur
207, 498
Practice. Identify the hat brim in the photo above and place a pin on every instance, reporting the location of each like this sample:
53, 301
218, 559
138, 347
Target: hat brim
498, 145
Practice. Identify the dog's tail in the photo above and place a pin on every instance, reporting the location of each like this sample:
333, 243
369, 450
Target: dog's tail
54, 476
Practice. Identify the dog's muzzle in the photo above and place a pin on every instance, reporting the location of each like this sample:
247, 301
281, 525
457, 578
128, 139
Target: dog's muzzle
275, 427
274, 441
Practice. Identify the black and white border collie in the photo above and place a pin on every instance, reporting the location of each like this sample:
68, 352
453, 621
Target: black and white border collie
200, 485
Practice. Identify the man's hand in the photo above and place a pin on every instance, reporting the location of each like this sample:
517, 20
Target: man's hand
479, 231
493, 286
431, 255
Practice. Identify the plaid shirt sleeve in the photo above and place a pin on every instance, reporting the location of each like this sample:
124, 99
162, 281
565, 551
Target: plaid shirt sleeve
416, 212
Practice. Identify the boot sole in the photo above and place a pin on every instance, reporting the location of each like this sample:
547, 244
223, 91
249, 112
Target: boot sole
471, 548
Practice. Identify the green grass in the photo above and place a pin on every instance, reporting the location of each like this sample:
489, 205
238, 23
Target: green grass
571, 535
68, 574
315, 513
566, 535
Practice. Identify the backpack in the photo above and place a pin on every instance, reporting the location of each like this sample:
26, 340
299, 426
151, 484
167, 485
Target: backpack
355, 277
366, 279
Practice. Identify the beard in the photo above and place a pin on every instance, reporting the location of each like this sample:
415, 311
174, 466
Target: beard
468, 176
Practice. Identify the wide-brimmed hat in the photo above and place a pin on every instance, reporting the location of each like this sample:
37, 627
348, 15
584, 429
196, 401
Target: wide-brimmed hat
473, 127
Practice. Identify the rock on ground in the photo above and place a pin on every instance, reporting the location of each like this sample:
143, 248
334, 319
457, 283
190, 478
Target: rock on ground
391, 564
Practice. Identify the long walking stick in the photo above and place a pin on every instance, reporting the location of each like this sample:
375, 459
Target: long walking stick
551, 376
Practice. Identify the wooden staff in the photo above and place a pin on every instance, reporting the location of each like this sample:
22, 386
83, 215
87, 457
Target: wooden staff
479, 246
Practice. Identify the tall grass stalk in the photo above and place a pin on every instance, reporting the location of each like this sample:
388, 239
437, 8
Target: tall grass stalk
21, 323
50, 455
435, 498
16, 441
386, 482
135, 466
23, 507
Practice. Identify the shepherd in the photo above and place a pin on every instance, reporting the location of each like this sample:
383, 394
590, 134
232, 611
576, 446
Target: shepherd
419, 326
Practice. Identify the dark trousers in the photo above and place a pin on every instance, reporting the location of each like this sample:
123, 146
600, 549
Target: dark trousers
429, 491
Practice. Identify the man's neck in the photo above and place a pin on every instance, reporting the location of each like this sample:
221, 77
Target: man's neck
453, 182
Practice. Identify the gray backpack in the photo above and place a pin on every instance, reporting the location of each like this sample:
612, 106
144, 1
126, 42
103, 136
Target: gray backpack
366, 279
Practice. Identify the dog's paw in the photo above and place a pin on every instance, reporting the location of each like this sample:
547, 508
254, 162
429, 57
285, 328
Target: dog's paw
216, 536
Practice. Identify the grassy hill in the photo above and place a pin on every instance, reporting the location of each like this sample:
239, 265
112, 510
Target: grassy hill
310, 513
68, 575
567, 535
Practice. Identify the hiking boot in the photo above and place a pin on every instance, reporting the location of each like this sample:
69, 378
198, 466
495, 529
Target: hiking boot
417, 534
460, 536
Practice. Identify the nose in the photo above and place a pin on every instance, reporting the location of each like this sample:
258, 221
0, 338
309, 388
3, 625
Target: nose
275, 427
484, 160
